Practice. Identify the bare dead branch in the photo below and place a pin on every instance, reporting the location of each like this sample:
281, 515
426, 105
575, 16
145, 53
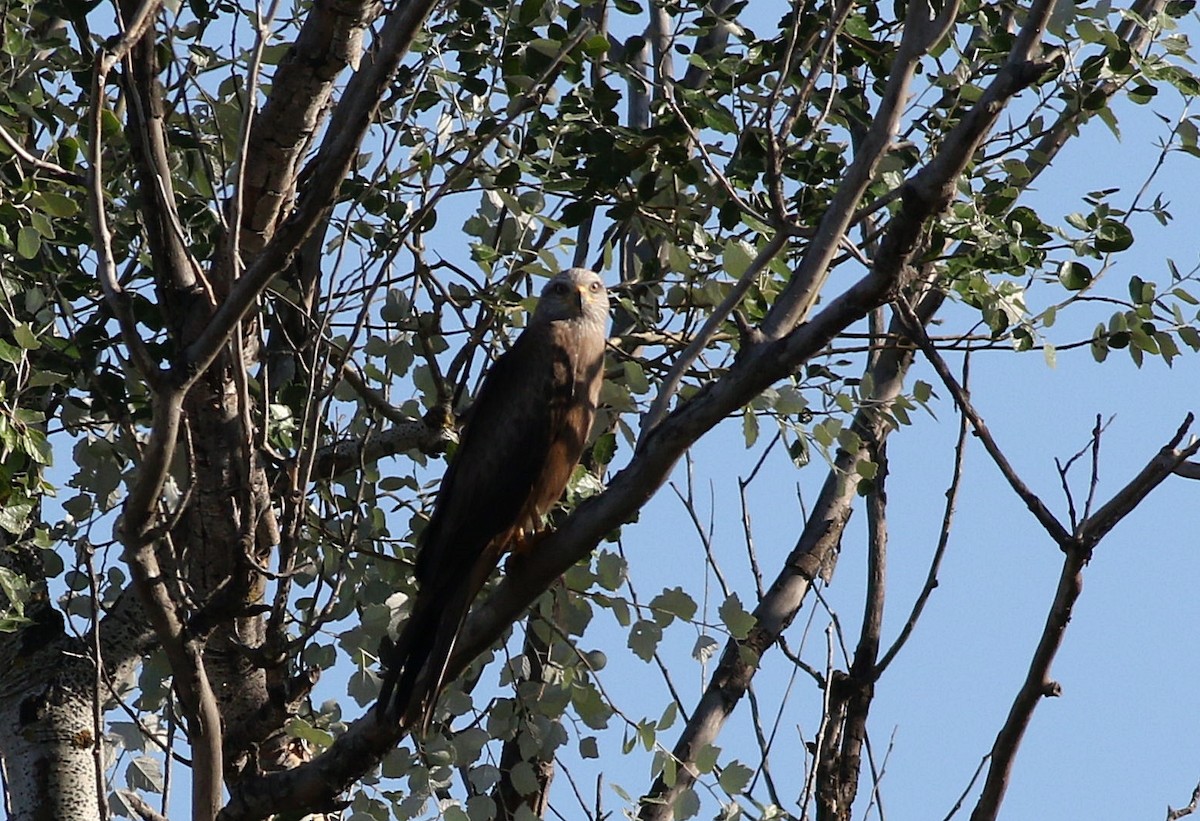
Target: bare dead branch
1188, 470
40, 163
1036, 686
967, 790
1032, 501
1077, 552
931, 578
1164, 463
1183, 812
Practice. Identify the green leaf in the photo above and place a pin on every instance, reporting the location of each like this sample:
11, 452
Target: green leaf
1166, 346
671, 603
736, 619
1074, 276
644, 637
610, 570
798, 451
749, 427
1050, 354
145, 774
29, 242
1190, 337
704, 648
687, 805
647, 735
737, 257
16, 588
14, 515
706, 759
605, 448
591, 706
635, 377
25, 337
668, 717
56, 205
299, 728
1113, 237
1141, 292
523, 778
866, 468
734, 777
10, 353
595, 45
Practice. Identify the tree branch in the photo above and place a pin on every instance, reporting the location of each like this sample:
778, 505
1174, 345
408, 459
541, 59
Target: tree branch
921, 32
301, 86
353, 115
1078, 552
1032, 501
39, 163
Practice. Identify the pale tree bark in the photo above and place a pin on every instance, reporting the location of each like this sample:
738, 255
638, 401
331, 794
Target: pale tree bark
46, 698
51, 693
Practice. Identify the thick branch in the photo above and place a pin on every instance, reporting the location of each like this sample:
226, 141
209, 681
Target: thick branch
411, 434
301, 87
353, 115
921, 32
191, 682
1037, 685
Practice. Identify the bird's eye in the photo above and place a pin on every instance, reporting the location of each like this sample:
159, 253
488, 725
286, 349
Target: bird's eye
594, 287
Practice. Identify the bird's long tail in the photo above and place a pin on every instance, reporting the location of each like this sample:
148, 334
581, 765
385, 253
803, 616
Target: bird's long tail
415, 669
404, 661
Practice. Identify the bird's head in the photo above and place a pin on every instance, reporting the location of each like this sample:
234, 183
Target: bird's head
576, 293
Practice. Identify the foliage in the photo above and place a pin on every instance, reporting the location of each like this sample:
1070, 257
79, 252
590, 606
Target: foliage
728, 166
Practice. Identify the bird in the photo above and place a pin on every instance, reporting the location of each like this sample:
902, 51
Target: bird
524, 435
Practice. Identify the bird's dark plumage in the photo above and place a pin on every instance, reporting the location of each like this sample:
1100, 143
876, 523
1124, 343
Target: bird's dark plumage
526, 432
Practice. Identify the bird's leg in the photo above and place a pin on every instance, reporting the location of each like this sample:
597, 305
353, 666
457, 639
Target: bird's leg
521, 545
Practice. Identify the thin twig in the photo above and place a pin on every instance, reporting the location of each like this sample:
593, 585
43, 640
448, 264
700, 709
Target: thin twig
970, 786
931, 578
1175, 815
917, 332
658, 409
53, 169
97, 686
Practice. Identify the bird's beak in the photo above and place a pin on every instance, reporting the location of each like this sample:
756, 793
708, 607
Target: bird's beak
583, 294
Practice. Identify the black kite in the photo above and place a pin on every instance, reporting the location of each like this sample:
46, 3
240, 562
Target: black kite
525, 434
